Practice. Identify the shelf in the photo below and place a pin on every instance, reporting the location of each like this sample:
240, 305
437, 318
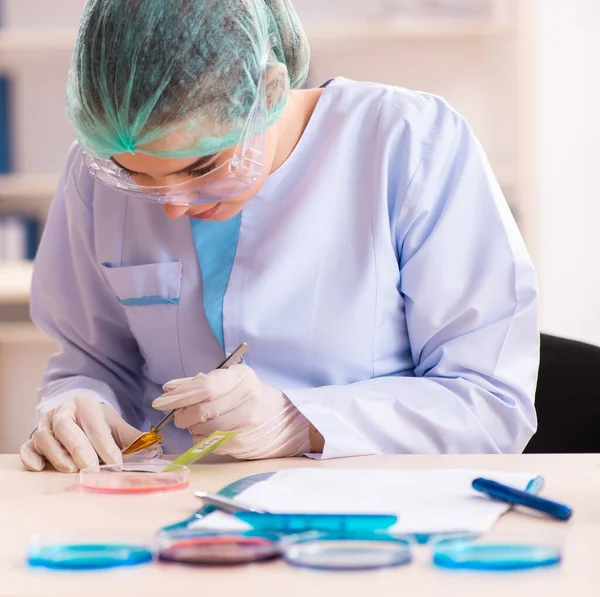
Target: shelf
37, 40
27, 186
43, 186
15, 282
23, 332
42, 40
369, 31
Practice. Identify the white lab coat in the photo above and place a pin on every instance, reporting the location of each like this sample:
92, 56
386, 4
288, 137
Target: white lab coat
378, 277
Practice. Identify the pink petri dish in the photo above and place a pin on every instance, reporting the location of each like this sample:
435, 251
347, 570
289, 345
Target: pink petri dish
135, 478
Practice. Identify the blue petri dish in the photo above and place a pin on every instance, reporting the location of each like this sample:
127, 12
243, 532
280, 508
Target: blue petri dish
495, 556
87, 553
348, 552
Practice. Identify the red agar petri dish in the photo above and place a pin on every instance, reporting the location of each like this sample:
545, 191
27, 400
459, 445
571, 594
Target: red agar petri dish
205, 548
135, 478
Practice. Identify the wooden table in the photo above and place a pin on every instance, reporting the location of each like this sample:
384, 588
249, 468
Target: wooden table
33, 503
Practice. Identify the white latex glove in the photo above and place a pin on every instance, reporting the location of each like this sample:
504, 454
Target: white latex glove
231, 399
75, 434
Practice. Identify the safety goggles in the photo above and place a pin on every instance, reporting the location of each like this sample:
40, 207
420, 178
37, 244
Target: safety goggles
225, 180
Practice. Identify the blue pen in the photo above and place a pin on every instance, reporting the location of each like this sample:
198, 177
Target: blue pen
511, 495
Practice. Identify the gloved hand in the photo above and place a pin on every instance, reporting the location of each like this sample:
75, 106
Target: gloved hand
269, 425
75, 434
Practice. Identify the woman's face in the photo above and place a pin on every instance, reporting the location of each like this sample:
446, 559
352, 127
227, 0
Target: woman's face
150, 170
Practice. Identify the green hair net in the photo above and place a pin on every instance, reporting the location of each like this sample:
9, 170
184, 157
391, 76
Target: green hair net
143, 69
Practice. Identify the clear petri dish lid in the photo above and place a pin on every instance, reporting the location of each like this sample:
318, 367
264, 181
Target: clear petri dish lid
498, 552
354, 551
137, 477
429, 539
217, 548
88, 551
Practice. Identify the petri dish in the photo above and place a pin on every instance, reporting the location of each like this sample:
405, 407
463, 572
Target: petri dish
86, 551
436, 538
348, 552
502, 553
135, 478
210, 548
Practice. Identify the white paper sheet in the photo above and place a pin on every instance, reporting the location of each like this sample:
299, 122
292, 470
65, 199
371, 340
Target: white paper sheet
426, 501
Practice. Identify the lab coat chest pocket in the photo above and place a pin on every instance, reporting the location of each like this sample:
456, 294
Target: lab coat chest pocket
150, 296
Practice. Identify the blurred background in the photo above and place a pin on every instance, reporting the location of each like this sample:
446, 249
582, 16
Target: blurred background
523, 72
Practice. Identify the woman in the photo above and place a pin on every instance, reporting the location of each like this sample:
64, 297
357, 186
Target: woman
354, 235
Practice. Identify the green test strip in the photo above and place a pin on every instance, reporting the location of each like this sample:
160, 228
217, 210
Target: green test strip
204, 448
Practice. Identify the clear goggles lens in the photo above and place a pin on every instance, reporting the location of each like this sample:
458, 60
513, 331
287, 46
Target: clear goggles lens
227, 180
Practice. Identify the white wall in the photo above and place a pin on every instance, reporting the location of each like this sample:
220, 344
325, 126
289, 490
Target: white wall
567, 167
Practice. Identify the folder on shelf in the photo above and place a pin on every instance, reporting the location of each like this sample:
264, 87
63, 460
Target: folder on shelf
5, 132
18, 237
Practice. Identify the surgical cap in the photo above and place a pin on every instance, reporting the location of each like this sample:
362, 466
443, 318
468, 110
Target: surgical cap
144, 69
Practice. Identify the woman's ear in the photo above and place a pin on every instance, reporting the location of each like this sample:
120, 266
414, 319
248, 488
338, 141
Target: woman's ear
278, 85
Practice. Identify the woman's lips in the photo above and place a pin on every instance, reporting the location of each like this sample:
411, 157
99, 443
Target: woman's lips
209, 213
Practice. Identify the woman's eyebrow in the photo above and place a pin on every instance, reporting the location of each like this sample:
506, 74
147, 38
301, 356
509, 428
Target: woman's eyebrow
199, 162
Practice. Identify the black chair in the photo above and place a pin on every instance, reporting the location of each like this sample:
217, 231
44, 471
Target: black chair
567, 398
